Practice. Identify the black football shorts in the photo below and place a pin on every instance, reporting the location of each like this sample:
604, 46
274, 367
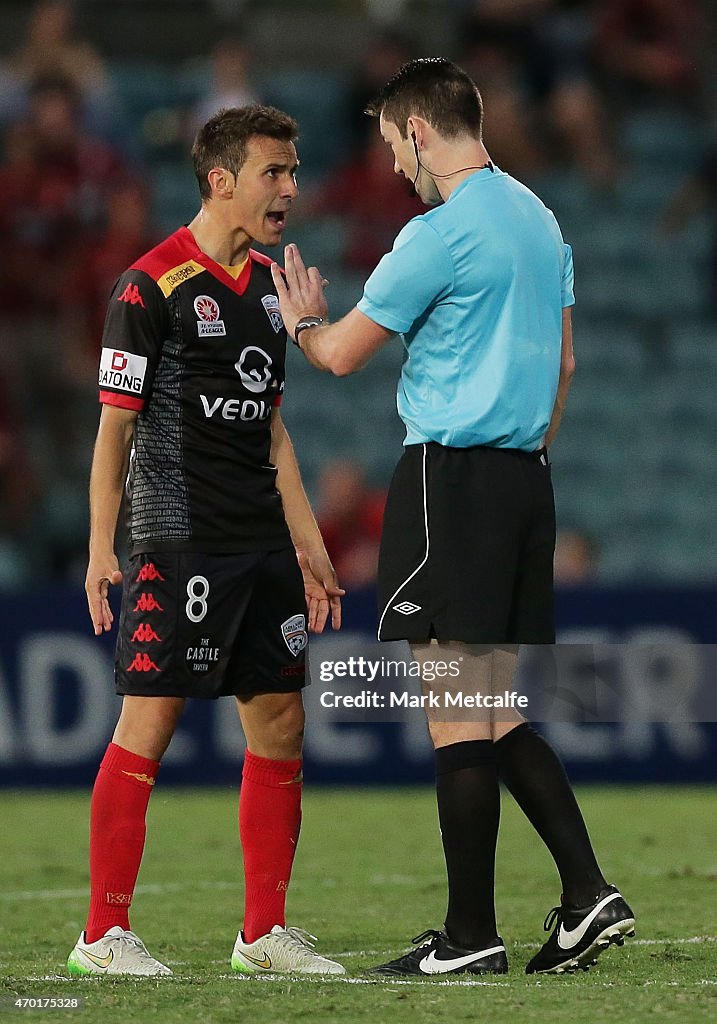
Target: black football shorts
467, 547
198, 625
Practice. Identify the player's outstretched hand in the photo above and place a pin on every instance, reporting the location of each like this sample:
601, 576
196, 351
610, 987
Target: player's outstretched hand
302, 293
101, 572
323, 593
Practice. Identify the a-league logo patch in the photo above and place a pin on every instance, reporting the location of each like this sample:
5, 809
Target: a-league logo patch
294, 633
271, 307
208, 324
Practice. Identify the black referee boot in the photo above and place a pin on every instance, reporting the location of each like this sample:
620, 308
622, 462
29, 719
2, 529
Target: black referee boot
436, 954
582, 933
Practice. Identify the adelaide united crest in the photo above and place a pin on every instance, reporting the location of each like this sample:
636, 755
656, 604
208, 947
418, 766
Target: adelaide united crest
294, 633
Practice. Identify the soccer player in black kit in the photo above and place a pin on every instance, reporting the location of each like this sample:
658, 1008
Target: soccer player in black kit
221, 534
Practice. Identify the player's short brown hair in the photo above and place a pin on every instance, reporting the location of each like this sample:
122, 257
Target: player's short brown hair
222, 141
438, 91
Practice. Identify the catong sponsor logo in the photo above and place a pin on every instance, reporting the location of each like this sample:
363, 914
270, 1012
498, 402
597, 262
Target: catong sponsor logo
208, 323
123, 371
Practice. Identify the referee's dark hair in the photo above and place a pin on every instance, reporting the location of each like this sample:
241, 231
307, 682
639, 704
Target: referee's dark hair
222, 141
438, 91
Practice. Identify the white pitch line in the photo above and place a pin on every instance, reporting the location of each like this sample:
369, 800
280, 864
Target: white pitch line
149, 889
334, 979
159, 888
692, 940
344, 980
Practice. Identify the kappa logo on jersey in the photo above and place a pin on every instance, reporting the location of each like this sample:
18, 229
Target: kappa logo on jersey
208, 324
271, 307
123, 371
254, 368
178, 275
149, 572
148, 603
144, 634
131, 294
294, 633
142, 663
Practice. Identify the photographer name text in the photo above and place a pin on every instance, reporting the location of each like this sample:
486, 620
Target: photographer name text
402, 699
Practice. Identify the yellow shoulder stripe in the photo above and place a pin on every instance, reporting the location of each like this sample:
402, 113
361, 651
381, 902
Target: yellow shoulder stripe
178, 275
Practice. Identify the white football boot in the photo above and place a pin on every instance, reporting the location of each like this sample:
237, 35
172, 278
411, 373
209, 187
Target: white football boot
282, 950
117, 952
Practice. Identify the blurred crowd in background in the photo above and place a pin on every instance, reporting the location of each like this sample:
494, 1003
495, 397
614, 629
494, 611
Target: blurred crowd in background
606, 109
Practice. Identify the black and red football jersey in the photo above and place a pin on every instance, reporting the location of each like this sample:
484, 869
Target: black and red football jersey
201, 357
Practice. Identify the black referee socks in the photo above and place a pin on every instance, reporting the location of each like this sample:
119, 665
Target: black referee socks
469, 813
535, 776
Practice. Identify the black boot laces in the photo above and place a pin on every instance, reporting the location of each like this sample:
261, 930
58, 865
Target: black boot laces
425, 937
555, 916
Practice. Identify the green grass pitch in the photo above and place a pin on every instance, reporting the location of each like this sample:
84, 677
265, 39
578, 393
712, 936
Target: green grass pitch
368, 876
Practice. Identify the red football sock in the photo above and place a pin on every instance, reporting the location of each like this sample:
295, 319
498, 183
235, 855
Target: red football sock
117, 830
269, 823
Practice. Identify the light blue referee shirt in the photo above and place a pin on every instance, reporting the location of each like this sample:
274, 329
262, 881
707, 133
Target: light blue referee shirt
477, 286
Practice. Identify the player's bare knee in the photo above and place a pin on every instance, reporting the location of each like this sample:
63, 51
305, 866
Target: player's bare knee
146, 724
273, 724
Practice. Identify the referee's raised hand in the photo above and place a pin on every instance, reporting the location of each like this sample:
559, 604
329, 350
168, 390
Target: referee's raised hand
302, 293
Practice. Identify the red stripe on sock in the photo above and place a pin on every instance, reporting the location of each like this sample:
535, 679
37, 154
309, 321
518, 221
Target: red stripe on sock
269, 824
117, 832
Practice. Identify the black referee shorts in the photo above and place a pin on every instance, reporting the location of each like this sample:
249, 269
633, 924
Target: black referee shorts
211, 625
467, 547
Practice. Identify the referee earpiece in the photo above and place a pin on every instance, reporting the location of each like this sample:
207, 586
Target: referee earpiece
413, 191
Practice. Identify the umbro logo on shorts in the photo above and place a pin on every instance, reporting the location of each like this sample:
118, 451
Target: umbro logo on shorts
406, 608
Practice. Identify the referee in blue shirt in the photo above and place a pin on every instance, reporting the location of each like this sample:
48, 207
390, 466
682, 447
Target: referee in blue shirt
480, 288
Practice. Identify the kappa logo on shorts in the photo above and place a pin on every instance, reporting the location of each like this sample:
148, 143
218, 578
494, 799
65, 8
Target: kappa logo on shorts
149, 572
294, 633
142, 663
144, 634
406, 608
148, 603
271, 308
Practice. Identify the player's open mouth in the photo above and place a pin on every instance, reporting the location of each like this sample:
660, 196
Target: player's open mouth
277, 217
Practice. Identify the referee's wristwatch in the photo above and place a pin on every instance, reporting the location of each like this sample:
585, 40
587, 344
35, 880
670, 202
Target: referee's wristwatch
306, 321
